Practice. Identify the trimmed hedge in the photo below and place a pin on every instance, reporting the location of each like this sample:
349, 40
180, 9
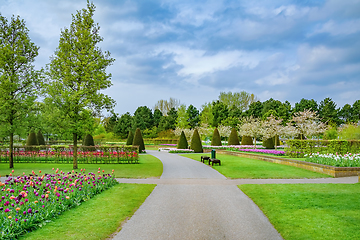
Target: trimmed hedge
196, 142
233, 138
246, 140
216, 139
130, 138
138, 140
32, 139
40, 138
183, 144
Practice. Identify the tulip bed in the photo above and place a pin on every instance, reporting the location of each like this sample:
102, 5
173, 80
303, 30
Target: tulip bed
266, 151
336, 160
28, 202
66, 156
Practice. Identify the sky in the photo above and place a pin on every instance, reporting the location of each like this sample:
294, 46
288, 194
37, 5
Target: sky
193, 50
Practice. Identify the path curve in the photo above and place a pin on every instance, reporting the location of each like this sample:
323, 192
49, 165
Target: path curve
196, 211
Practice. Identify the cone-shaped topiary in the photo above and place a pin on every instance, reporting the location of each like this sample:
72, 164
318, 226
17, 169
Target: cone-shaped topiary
40, 138
32, 140
270, 142
196, 142
138, 140
88, 140
233, 138
246, 140
130, 138
216, 139
183, 144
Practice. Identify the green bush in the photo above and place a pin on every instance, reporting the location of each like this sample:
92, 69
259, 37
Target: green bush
32, 139
270, 142
246, 140
138, 140
183, 144
216, 139
40, 138
196, 142
88, 140
233, 138
130, 138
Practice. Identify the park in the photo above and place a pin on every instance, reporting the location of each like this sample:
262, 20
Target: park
236, 168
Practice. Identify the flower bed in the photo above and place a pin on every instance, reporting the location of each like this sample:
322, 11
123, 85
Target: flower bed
336, 160
175, 150
66, 156
168, 144
266, 151
27, 202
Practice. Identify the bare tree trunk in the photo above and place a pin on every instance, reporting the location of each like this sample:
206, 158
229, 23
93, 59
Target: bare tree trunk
75, 165
11, 149
275, 141
255, 142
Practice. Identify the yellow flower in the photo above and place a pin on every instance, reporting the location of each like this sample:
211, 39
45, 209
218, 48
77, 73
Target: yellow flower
67, 197
36, 202
9, 217
17, 209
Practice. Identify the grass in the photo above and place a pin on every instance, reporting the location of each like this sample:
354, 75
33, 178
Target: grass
310, 211
239, 167
149, 166
97, 218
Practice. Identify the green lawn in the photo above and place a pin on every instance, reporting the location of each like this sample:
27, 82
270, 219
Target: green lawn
97, 218
239, 167
149, 166
310, 211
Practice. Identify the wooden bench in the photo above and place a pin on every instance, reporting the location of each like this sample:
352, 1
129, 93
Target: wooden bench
205, 158
214, 160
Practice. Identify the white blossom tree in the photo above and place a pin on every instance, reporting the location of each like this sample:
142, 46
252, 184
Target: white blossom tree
308, 123
224, 131
252, 127
272, 128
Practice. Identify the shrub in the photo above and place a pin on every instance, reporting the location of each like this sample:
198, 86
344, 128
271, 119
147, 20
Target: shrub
138, 140
246, 140
130, 138
40, 138
270, 142
233, 138
88, 140
196, 142
216, 139
183, 144
32, 139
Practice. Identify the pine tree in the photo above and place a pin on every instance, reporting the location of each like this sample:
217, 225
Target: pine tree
216, 139
233, 138
183, 144
196, 142
130, 138
138, 140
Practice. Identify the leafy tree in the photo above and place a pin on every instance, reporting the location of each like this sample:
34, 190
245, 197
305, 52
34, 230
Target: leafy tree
272, 129
252, 127
328, 112
193, 115
196, 144
138, 140
216, 139
345, 113
206, 115
355, 117
78, 73
157, 116
124, 125
233, 138
169, 121
110, 122
308, 124
231, 122
40, 138
130, 138
165, 106
255, 110
306, 104
240, 100
182, 117
18, 78
183, 144
220, 112
143, 118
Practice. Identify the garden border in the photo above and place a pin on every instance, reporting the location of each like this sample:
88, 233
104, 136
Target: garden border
315, 167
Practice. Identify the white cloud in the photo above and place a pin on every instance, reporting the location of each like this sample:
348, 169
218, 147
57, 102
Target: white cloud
338, 28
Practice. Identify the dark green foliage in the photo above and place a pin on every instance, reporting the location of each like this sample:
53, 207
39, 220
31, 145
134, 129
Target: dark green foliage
306, 104
138, 140
32, 139
88, 140
196, 142
157, 116
169, 121
216, 139
40, 138
255, 109
220, 112
246, 140
130, 138
328, 112
143, 118
233, 138
124, 125
183, 144
194, 116
270, 142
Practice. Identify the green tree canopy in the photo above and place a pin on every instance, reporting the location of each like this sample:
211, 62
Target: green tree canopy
193, 115
143, 118
124, 125
182, 120
220, 112
328, 112
306, 104
77, 73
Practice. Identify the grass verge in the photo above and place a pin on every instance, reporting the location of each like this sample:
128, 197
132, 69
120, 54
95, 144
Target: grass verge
149, 166
239, 167
97, 218
310, 211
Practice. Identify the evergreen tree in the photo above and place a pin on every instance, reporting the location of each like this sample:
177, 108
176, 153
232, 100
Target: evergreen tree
216, 139
138, 140
193, 115
183, 144
233, 138
157, 116
196, 144
130, 138
124, 125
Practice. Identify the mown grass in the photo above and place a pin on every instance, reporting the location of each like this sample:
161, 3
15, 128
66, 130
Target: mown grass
149, 166
239, 167
97, 218
310, 211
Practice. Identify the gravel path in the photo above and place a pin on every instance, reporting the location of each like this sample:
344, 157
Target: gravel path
196, 211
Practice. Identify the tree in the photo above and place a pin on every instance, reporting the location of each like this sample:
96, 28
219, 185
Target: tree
143, 118
193, 116
196, 142
216, 139
130, 138
328, 112
169, 121
220, 112
240, 100
255, 110
78, 73
345, 113
252, 127
182, 117
308, 123
110, 122
165, 106
18, 78
138, 140
157, 116
272, 129
306, 104
233, 138
355, 116
124, 125
183, 144
206, 115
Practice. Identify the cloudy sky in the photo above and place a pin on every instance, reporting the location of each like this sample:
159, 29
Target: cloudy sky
193, 50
